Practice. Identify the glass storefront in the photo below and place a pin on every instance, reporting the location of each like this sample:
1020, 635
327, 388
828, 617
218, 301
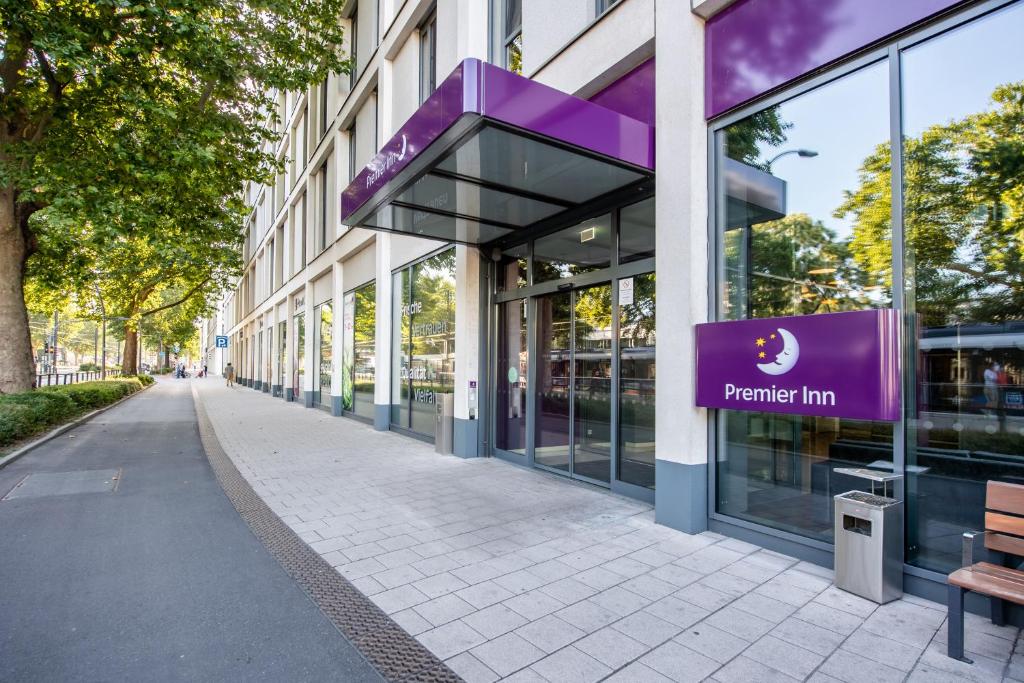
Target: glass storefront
299, 357
636, 383
511, 377
360, 350
423, 341
805, 225
322, 339
282, 350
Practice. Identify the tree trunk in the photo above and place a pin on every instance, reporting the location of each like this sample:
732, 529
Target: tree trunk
130, 359
17, 367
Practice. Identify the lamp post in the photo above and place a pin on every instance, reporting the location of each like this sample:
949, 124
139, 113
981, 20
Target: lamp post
804, 153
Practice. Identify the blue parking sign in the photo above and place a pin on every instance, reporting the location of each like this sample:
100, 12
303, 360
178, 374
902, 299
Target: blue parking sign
222, 342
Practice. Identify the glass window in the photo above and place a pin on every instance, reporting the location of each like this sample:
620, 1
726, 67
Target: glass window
582, 248
512, 269
964, 210
424, 340
322, 337
603, 6
364, 360
636, 383
793, 242
428, 57
512, 377
282, 346
513, 35
353, 50
299, 357
636, 231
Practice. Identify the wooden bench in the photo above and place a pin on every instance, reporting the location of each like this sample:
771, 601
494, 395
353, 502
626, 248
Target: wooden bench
1003, 536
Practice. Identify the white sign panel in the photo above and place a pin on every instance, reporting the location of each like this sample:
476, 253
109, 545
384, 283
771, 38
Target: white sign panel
626, 291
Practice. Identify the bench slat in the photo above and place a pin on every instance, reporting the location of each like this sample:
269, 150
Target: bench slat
1005, 544
988, 584
996, 521
1003, 497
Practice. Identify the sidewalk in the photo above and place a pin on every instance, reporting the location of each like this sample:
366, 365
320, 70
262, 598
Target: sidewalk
515, 574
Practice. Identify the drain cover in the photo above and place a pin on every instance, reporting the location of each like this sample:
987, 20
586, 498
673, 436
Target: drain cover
65, 483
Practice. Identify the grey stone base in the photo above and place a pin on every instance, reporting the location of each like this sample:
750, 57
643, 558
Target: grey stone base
381, 417
289, 394
265, 386
336, 406
466, 431
276, 390
682, 500
257, 385
308, 399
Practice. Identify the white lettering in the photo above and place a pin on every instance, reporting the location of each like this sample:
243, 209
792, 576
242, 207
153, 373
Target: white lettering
803, 396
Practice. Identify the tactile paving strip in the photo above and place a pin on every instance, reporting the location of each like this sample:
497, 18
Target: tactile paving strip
395, 654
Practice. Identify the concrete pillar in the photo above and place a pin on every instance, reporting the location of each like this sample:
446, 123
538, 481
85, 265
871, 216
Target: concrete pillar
682, 266
337, 337
382, 343
467, 351
309, 371
289, 354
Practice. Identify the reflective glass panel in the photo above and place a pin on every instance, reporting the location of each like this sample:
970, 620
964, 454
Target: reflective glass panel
963, 185
582, 248
282, 350
801, 234
322, 342
365, 351
636, 383
438, 193
299, 358
435, 225
592, 383
512, 269
511, 379
554, 355
636, 231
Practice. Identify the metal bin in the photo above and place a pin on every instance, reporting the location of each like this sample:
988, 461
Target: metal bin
444, 426
869, 545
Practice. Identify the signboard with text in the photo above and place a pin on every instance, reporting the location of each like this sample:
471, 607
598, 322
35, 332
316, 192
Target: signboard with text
222, 342
830, 364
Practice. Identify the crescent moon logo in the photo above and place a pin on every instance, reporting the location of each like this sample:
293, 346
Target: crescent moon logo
786, 358
405, 146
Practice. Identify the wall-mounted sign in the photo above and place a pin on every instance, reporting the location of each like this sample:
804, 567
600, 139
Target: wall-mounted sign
831, 364
626, 291
222, 342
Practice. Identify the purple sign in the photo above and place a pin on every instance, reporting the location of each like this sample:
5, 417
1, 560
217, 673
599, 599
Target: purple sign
830, 365
754, 46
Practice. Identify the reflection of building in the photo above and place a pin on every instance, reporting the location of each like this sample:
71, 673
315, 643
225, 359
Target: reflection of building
479, 247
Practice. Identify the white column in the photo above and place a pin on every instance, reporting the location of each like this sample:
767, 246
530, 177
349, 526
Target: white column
467, 350
682, 265
337, 335
310, 375
382, 342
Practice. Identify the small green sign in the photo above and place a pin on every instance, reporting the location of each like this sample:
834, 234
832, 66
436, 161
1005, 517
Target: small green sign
513, 375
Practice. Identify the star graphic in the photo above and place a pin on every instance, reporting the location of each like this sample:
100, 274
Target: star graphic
760, 341
772, 335
761, 355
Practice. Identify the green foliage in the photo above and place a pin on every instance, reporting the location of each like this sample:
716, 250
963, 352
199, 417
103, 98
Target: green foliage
25, 414
144, 379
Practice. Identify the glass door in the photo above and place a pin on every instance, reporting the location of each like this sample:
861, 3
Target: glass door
572, 432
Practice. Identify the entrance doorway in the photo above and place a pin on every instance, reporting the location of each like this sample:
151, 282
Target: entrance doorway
573, 397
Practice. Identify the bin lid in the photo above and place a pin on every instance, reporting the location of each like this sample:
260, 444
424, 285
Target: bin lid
867, 499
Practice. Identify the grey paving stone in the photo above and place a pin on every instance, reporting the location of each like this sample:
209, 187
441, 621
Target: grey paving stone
679, 663
397, 599
652, 557
439, 584
568, 590
519, 581
484, 594
709, 559
611, 647
626, 567
847, 602
444, 609
776, 590
982, 670
451, 639
881, 649
412, 622
828, 617
551, 570
620, 601
676, 611
398, 558
550, 633
646, 628
712, 642
368, 585
783, 656
764, 607
360, 568
728, 584
495, 621
807, 635
470, 669
704, 596
507, 654
746, 670
587, 615
534, 604
525, 676
751, 571
599, 578
852, 668
638, 673
649, 586
740, 623
399, 576
570, 665
676, 575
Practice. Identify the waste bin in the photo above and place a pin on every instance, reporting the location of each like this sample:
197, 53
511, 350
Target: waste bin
444, 426
869, 545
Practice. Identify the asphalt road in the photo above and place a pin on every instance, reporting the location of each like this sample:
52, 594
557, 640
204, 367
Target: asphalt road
160, 580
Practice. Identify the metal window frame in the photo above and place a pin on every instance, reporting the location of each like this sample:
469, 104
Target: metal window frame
355, 312
428, 32
891, 52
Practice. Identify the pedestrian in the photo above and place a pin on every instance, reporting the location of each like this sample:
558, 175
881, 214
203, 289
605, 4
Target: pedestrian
229, 374
205, 370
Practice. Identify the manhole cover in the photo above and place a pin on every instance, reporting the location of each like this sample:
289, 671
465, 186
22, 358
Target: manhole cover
65, 483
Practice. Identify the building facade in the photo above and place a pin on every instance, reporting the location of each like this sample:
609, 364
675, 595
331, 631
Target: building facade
519, 210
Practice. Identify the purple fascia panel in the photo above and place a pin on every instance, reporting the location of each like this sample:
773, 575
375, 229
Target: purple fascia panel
480, 88
755, 46
632, 95
540, 109
831, 365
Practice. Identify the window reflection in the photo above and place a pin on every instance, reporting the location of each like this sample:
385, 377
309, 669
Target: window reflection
636, 383
364, 361
511, 378
582, 248
792, 244
964, 216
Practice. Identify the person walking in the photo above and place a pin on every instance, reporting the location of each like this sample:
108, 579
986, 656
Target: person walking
206, 370
229, 374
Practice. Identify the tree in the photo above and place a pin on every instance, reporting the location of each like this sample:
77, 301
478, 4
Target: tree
119, 119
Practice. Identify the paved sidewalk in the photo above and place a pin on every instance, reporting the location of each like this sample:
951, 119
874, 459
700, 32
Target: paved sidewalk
515, 574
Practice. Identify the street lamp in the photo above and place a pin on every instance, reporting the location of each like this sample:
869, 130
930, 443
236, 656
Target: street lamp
805, 153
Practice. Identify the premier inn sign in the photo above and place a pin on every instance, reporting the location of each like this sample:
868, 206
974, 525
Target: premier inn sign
829, 365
